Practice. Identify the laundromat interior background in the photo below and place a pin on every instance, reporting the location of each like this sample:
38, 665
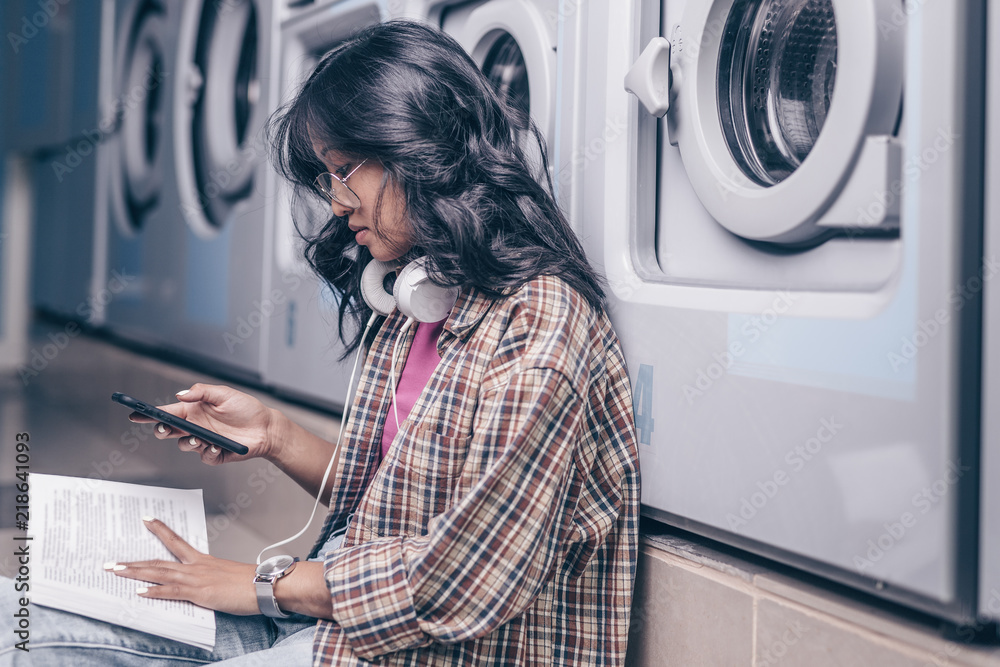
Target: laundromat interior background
795, 204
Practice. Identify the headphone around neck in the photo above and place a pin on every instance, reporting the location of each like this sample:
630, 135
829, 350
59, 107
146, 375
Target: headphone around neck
413, 293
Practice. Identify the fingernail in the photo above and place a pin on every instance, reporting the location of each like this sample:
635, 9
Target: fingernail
141, 590
130, 419
118, 568
182, 392
161, 428
147, 519
110, 565
193, 440
215, 450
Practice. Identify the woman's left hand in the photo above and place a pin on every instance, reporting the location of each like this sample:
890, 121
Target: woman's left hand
213, 583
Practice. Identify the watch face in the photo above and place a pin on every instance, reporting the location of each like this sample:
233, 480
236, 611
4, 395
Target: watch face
275, 565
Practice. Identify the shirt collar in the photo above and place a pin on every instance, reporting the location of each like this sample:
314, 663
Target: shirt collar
469, 310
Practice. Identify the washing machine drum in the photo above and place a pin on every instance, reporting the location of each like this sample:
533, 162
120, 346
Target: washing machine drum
776, 77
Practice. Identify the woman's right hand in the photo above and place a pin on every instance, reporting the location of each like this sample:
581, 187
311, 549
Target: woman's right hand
226, 411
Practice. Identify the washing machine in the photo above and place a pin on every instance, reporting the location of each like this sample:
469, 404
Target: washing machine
515, 43
223, 91
137, 207
302, 349
786, 197
55, 115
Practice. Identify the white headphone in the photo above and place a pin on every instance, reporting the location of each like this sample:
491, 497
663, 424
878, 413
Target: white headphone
413, 293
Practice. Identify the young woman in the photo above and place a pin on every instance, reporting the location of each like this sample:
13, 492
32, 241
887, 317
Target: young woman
497, 523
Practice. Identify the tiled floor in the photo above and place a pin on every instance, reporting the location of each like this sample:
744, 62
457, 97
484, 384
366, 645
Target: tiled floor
77, 430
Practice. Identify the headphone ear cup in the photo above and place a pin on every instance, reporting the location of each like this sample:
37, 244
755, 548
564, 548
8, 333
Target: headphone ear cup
419, 298
373, 287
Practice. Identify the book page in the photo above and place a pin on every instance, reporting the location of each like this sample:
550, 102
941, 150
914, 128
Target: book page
79, 524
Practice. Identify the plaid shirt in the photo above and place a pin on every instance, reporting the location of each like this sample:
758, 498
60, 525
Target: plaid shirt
502, 526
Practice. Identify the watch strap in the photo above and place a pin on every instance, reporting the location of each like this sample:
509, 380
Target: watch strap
265, 599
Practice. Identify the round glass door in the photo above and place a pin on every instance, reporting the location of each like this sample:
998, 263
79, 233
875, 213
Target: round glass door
141, 124
777, 69
514, 44
216, 161
504, 66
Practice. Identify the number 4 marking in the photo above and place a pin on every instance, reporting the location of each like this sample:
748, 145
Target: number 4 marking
642, 404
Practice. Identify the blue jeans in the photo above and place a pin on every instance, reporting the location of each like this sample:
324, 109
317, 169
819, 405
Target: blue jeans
59, 638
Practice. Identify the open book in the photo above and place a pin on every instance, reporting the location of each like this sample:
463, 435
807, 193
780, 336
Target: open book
78, 524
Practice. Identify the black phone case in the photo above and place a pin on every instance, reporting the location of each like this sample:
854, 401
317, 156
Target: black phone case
151, 411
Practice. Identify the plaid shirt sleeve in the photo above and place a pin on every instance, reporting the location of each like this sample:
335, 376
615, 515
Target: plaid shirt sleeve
485, 559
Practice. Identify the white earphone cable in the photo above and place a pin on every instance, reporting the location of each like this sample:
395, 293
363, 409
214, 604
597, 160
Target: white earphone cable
336, 449
392, 368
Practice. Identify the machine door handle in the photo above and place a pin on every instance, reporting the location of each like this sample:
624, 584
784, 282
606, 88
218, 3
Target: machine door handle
649, 77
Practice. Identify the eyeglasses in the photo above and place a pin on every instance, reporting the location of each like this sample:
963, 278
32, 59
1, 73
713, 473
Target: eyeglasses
337, 190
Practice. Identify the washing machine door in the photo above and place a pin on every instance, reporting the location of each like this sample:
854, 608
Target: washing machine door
217, 95
514, 45
137, 161
780, 108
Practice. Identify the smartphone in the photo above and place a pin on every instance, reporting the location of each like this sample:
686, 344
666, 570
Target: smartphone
210, 437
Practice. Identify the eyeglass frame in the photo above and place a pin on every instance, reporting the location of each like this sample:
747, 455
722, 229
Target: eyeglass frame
343, 181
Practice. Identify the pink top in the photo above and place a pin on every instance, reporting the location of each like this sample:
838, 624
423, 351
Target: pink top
420, 364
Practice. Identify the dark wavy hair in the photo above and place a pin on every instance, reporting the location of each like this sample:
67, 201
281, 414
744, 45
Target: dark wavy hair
408, 96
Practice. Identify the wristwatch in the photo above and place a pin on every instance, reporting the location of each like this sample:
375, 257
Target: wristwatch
268, 572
